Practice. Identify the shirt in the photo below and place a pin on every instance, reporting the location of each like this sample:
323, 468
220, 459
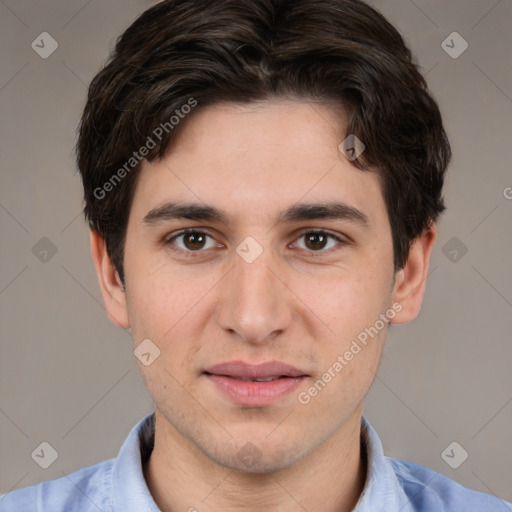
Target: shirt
118, 485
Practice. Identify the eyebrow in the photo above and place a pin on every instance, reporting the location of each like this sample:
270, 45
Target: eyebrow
295, 213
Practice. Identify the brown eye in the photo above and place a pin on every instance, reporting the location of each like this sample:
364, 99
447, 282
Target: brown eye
315, 241
319, 241
194, 241
191, 241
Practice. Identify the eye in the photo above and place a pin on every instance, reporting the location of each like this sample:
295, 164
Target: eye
191, 240
319, 241
195, 241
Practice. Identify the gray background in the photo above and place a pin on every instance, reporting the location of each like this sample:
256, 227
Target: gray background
68, 377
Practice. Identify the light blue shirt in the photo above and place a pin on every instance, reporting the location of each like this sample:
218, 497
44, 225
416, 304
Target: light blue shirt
118, 485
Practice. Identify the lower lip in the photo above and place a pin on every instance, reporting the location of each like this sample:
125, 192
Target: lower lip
246, 392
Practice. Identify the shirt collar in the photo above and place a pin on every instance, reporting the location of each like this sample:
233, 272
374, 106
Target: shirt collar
382, 490
130, 492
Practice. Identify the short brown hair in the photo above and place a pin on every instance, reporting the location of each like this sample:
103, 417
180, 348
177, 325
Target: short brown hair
249, 50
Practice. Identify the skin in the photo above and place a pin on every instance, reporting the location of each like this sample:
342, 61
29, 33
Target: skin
296, 303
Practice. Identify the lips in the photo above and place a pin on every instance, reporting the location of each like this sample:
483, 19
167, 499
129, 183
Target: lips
255, 385
263, 372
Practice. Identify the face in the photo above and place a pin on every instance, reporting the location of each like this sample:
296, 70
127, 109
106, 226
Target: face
260, 276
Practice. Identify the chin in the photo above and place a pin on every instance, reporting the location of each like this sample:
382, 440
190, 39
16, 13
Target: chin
259, 456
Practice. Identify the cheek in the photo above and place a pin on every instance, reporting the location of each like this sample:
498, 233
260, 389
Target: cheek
158, 297
350, 355
171, 309
347, 303
350, 350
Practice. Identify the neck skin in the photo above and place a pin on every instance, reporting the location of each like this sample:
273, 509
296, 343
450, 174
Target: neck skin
181, 478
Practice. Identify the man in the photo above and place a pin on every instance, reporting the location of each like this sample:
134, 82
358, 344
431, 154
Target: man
262, 181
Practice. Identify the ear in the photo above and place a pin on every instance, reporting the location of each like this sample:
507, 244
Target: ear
410, 281
112, 288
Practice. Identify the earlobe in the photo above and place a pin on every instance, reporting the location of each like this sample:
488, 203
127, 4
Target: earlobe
410, 281
112, 288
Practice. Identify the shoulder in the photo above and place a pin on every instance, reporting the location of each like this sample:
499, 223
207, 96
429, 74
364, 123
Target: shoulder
428, 490
85, 490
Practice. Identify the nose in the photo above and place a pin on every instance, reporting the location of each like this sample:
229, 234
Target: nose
254, 303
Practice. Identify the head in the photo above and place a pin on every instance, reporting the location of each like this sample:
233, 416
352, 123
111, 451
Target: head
228, 118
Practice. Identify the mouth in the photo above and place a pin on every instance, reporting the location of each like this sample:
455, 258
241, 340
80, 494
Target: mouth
256, 385
261, 379
246, 371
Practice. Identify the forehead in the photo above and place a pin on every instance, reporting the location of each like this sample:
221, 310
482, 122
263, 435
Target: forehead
278, 128
258, 159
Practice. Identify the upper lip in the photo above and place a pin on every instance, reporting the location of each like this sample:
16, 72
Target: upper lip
255, 371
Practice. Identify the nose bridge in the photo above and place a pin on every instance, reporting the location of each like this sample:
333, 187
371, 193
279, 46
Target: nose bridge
253, 302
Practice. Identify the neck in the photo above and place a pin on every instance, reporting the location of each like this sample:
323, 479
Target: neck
180, 477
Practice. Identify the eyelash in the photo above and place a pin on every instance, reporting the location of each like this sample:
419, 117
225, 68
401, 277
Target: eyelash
169, 241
